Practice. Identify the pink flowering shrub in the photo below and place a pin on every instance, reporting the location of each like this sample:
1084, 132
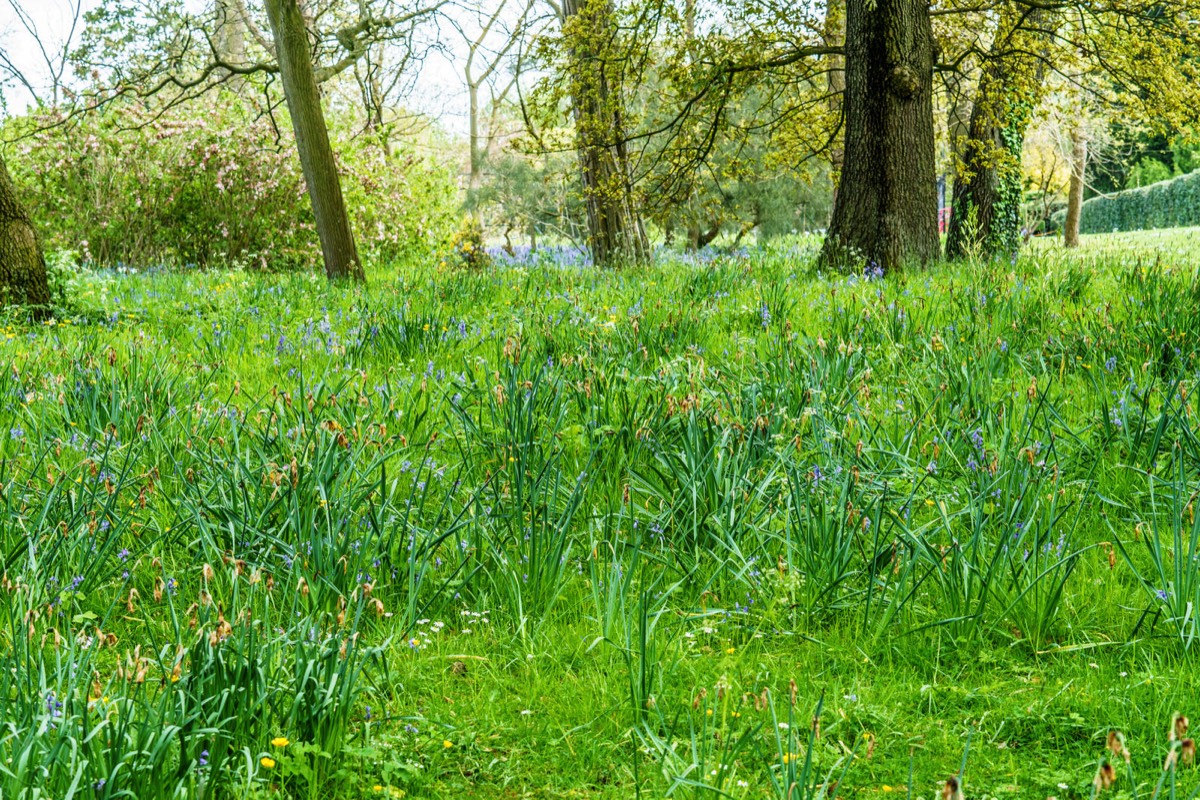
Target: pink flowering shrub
216, 185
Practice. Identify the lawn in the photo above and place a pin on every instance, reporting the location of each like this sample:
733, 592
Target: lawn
716, 527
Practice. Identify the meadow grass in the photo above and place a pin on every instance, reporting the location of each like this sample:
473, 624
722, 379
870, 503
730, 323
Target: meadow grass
716, 527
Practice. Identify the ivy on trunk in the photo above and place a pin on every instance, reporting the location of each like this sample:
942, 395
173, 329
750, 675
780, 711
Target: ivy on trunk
615, 232
986, 216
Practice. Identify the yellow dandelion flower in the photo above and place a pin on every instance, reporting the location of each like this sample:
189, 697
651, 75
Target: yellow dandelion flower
267, 762
280, 741
447, 744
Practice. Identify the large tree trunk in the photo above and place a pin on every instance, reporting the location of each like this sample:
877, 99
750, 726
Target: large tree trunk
886, 209
986, 215
615, 232
1075, 192
22, 267
835, 36
312, 140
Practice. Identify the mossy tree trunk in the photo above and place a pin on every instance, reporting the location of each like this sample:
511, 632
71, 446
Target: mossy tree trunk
294, 53
886, 207
22, 265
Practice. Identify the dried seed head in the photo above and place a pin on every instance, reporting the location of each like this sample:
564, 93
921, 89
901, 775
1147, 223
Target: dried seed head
1105, 776
1187, 752
1179, 726
952, 790
1116, 744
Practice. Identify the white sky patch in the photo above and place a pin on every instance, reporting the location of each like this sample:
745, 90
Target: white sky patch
439, 90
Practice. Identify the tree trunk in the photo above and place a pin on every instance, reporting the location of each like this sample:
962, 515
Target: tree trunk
986, 209
958, 129
229, 40
835, 36
699, 238
476, 177
958, 122
615, 232
1075, 193
886, 209
22, 267
312, 140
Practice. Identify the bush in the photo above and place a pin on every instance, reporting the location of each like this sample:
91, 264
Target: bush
1168, 204
469, 251
132, 186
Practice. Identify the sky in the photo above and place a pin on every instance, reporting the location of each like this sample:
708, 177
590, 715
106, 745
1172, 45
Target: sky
51, 20
440, 90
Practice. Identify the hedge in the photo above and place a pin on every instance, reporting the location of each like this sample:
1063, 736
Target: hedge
1168, 204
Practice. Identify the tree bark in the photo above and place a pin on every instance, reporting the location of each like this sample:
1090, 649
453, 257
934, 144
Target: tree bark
986, 209
312, 140
22, 266
886, 209
699, 238
615, 232
835, 36
476, 177
1075, 192
958, 122
229, 40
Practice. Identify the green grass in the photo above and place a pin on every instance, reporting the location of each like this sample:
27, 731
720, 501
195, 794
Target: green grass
544, 531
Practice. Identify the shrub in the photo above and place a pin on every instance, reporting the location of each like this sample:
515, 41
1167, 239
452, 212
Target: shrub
1168, 204
141, 187
469, 249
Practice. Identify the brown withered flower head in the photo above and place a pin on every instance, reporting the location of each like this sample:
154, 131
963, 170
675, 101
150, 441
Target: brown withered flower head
1116, 745
952, 790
